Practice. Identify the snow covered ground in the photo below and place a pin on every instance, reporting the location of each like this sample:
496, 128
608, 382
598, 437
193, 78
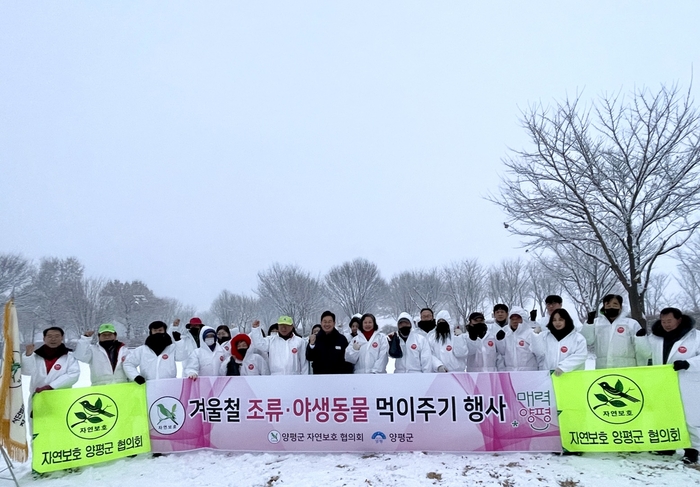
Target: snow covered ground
214, 468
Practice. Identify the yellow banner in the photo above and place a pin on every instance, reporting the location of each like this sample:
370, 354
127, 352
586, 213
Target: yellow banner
628, 409
75, 427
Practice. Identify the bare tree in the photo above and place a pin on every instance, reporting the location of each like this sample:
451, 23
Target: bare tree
411, 291
689, 276
235, 310
86, 306
134, 304
465, 288
543, 282
16, 272
586, 280
356, 286
621, 172
509, 283
294, 292
656, 294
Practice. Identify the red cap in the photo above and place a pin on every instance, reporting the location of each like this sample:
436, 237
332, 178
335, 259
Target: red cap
195, 321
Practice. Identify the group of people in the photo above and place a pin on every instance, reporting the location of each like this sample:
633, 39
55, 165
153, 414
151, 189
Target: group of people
513, 341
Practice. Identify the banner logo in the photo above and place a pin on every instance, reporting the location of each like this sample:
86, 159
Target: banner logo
92, 416
167, 415
615, 399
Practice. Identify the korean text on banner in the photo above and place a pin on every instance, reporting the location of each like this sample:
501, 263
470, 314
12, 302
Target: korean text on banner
628, 409
75, 427
361, 412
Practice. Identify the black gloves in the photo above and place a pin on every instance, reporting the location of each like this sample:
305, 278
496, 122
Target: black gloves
176, 336
591, 317
139, 380
533, 315
681, 365
642, 332
500, 335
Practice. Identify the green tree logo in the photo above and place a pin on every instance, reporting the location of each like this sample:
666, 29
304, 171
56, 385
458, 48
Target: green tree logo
92, 416
615, 399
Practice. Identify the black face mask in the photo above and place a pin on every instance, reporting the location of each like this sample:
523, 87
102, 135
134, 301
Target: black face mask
404, 331
107, 344
242, 351
612, 312
158, 342
223, 340
442, 331
426, 325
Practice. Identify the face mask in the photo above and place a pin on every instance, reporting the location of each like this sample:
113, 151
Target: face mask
612, 312
242, 351
426, 325
442, 327
223, 339
404, 331
107, 344
210, 341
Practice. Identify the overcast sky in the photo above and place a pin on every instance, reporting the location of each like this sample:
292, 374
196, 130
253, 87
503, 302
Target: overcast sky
193, 144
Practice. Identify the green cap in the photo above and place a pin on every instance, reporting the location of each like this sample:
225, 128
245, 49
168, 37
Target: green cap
106, 328
285, 320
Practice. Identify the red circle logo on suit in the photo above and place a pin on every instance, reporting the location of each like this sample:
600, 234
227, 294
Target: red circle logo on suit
490, 343
221, 358
165, 357
620, 329
449, 348
564, 349
57, 366
375, 345
682, 349
413, 347
521, 343
294, 350
251, 366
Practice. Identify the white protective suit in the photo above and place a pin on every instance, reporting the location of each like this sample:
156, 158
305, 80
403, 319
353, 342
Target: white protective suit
144, 362
452, 353
203, 361
285, 357
483, 355
614, 342
568, 354
64, 373
372, 356
417, 355
96, 357
515, 347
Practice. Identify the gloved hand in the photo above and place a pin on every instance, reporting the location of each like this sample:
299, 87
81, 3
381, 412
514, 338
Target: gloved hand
537, 330
642, 332
442, 369
192, 376
500, 335
356, 345
533, 315
44, 388
681, 365
458, 331
591, 317
176, 336
139, 380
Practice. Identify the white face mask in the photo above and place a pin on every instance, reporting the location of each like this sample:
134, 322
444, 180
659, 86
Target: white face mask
210, 341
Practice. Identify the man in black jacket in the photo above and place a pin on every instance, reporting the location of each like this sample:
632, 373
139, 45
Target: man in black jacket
326, 349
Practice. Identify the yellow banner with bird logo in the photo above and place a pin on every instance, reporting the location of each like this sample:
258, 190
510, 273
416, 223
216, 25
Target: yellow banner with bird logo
75, 427
627, 409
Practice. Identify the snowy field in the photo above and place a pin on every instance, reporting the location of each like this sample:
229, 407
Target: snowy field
214, 468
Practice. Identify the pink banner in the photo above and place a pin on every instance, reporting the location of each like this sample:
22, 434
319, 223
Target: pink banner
485, 412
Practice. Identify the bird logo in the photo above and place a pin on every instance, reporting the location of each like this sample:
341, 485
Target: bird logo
92, 416
615, 399
165, 414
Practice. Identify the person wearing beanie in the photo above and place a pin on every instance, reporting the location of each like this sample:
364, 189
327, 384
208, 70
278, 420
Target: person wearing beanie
481, 344
207, 359
450, 349
675, 340
285, 349
52, 365
105, 358
368, 352
244, 361
326, 349
410, 349
560, 348
156, 358
612, 335
513, 342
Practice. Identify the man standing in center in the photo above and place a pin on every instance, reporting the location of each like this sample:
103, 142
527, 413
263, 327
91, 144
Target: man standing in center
285, 349
326, 349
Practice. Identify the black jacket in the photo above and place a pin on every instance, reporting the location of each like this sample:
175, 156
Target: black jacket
328, 354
